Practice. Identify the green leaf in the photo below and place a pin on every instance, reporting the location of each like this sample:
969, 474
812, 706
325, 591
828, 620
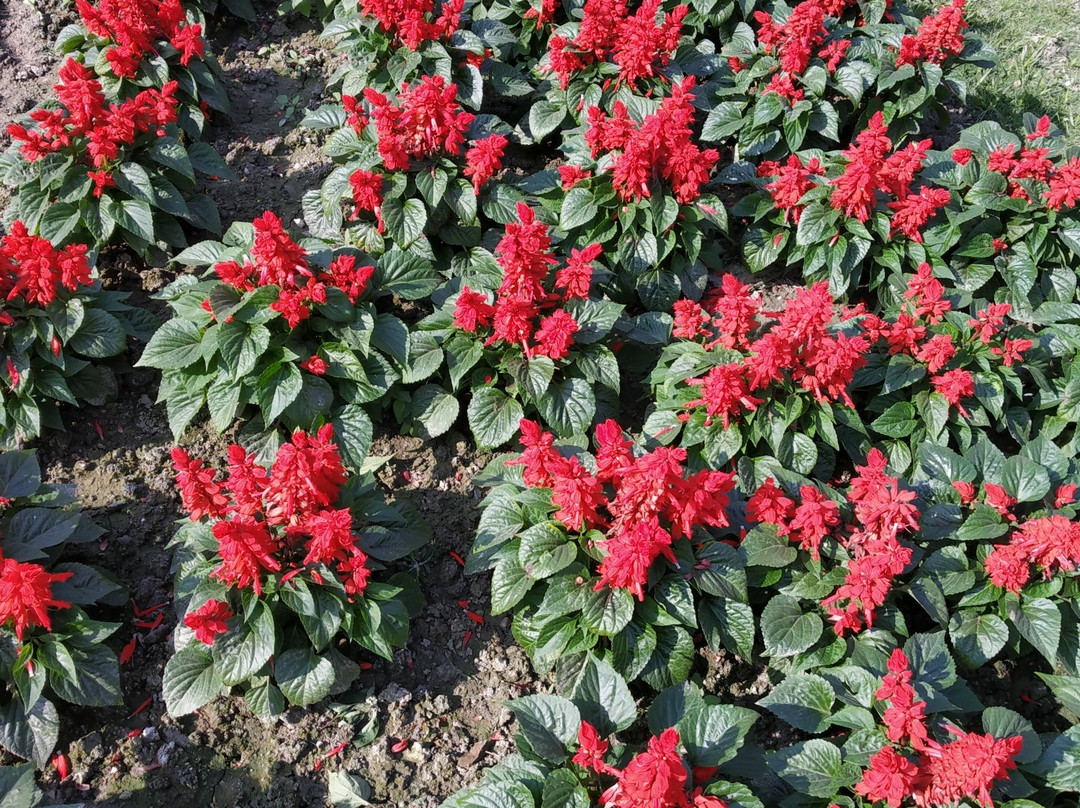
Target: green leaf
352, 432
177, 344
509, 584
598, 691
1039, 622
814, 767
1025, 479
348, 790
276, 389
607, 611
405, 221
545, 549
728, 623
578, 208
898, 421
976, 637
100, 336
785, 629
562, 790
30, 734
764, 548
242, 345
544, 118
493, 417
239, 654
1060, 762
549, 724
434, 409
191, 680
713, 733
568, 407
303, 676
804, 700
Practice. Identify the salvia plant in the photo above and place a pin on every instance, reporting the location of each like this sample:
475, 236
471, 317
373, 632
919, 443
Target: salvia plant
569, 754
806, 383
275, 566
525, 336
55, 324
296, 337
50, 648
805, 75
101, 168
408, 176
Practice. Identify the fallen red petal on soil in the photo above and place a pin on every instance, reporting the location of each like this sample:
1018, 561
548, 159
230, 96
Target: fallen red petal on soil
400, 746
62, 764
457, 558
318, 764
135, 733
97, 428
365, 666
150, 624
476, 618
468, 636
464, 604
142, 707
127, 652
336, 749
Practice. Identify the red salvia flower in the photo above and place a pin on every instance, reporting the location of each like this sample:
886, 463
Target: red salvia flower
1065, 495
277, 257
577, 494
576, 277
961, 156
542, 463
472, 311
770, 505
955, 386
591, 750
1064, 186
642, 44
814, 517
940, 36
331, 536
571, 174
524, 255
966, 768
425, 123
355, 571
853, 191
655, 777
690, 320
367, 194
889, 778
247, 482
413, 22
913, 212
351, 279
247, 550
990, 320
199, 492
1008, 567
936, 352
484, 160
209, 620
793, 180
725, 392
307, 475
26, 595
556, 334
628, 554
